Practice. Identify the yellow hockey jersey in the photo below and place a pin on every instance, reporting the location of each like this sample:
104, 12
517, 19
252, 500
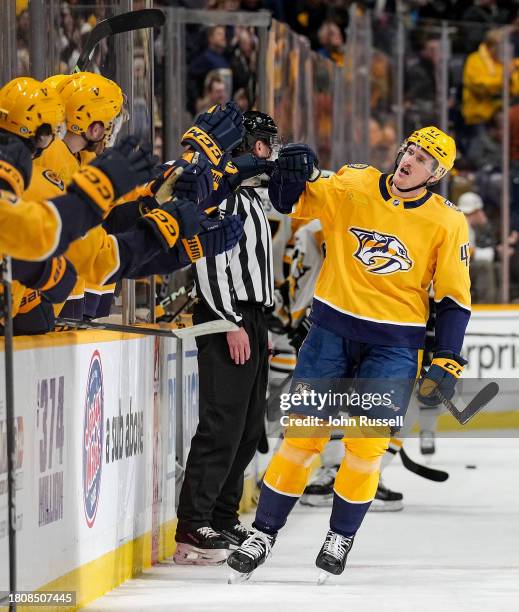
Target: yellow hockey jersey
62, 162
95, 256
382, 253
40, 235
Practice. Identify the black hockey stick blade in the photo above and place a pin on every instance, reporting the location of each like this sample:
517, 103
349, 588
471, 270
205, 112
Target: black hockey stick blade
422, 470
125, 22
463, 413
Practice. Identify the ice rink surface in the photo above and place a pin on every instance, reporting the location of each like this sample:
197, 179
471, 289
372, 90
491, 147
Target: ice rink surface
455, 546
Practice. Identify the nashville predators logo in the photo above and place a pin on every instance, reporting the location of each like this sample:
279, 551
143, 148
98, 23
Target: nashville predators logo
54, 178
381, 253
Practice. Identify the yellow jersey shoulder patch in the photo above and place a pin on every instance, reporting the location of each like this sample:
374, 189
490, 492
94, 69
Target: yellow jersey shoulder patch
54, 178
451, 205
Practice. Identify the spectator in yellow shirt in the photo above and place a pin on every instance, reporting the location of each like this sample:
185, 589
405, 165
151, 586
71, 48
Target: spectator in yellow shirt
483, 80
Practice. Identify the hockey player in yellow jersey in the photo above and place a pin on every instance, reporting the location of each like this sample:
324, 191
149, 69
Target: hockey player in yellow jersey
31, 117
387, 239
95, 110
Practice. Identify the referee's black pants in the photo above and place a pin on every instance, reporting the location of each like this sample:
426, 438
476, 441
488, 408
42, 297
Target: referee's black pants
231, 420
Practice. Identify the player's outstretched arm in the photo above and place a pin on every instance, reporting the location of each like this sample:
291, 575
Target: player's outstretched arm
156, 246
181, 179
96, 188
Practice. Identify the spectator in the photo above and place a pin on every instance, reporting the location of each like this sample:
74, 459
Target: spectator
213, 58
215, 92
331, 41
23, 27
483, 80
381, 84
305, 17
420, 84
483, 249
479, 19
484, 151
243, 62
241, 97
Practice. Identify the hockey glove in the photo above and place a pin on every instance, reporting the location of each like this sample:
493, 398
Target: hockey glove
15, 164
249, 166
176, 219
189, 181
114, 173
216, 236
217, 131
297, 162
35, 315
54, 278
442, 376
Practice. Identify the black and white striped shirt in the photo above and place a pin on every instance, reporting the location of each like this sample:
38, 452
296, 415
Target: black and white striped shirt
244, 274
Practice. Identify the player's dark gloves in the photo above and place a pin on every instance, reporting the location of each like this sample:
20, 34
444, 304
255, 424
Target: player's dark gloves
15, 164
175, 219
297, 162
115, 172
194, 182
442, 376
54, 278
216, 236
248, 166
217, 131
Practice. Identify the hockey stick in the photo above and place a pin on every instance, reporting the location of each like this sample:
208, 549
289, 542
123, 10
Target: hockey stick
464, 412
6, 315
125, 22
210, 327
176, 294
490, 335
422, 470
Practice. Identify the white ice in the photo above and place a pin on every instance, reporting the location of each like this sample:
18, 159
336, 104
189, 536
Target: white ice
455, 546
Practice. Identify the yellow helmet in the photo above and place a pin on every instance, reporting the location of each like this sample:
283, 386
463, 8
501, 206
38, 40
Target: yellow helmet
26, 105
90, 98
439, 145
55, 80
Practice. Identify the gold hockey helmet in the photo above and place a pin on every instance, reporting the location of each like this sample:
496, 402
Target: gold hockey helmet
27, 106
439, 145
91, 98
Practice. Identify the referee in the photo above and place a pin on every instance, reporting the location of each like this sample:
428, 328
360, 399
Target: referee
233, 371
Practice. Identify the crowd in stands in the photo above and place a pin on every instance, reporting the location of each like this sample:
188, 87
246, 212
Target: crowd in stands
222, 64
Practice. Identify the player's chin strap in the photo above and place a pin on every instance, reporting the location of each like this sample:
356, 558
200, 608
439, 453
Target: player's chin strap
426, 184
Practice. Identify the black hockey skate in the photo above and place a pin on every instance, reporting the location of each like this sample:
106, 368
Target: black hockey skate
386, 500
320, 490
236, 535
251, 554
332, 556
202, 546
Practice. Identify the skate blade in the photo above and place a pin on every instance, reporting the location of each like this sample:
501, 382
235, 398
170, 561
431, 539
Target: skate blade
390, 506
238, 577
190, 555
323, 577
